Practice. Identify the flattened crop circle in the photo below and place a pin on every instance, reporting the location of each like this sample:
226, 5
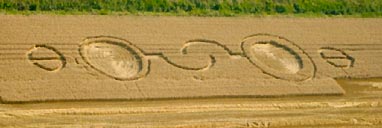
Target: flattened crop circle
278, 57
114, 57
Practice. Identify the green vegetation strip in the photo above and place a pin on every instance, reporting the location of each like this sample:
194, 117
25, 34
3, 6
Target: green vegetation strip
362, 8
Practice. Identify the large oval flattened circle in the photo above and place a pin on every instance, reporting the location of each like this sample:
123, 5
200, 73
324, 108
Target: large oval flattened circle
114, 57
278, 57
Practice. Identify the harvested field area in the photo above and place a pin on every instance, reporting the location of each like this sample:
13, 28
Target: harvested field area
129, 71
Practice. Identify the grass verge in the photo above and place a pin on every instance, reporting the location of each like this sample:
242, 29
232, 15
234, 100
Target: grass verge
304, 8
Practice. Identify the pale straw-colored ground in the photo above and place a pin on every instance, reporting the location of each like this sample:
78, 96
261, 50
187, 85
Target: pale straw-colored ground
106, 71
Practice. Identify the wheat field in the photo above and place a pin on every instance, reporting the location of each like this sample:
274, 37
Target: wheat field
148, 71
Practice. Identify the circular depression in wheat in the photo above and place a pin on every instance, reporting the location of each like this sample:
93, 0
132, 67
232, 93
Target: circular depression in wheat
118, 60
278, 57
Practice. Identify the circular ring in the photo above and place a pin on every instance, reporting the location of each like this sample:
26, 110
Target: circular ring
54, 61
278, 57
114, 57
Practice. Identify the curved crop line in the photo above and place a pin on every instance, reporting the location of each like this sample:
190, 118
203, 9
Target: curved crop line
61, 57
346, 56
209, 65
190, 42
184, 51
